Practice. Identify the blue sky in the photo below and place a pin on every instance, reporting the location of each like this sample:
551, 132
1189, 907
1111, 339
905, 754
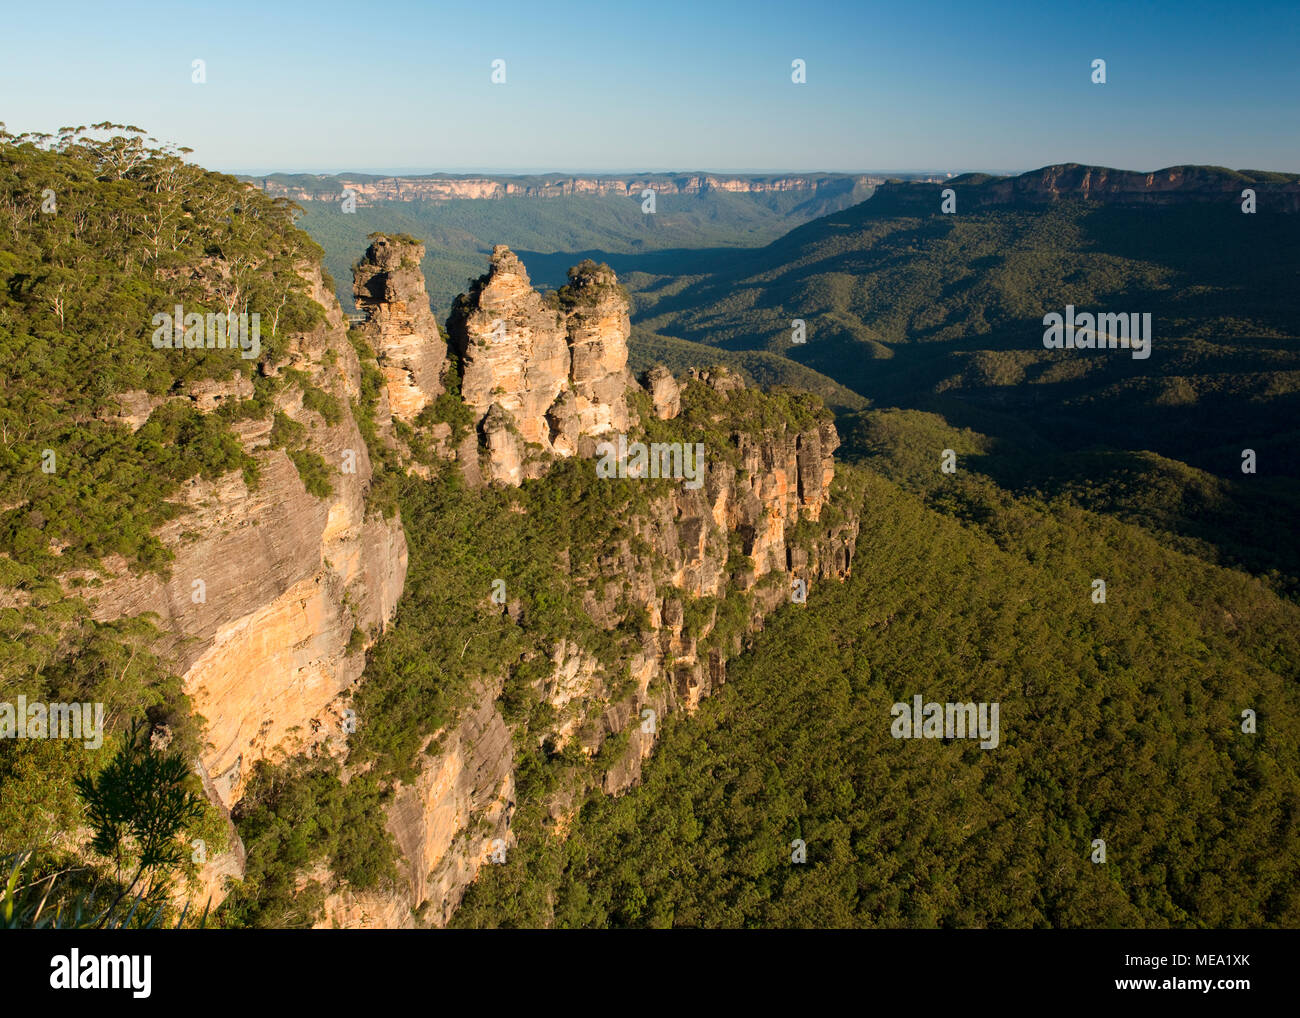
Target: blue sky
405, 86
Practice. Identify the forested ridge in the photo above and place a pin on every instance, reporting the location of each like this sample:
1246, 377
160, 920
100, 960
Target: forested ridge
913, 308
1121, 721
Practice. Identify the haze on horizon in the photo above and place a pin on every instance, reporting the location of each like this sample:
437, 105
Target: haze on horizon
466, 171
923, 87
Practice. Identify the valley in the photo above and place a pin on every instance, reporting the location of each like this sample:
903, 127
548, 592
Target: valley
589, 602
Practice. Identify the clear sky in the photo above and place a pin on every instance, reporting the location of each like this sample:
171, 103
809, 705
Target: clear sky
404, 86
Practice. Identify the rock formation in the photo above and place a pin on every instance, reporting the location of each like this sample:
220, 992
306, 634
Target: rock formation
554, 370
544, 378
665, 393
264, 607
598, 329
389, 288
445, 824
777, 479
513, 348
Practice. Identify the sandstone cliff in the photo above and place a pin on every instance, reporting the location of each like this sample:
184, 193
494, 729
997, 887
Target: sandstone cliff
389, 289
269, 584
445, 823
541, 373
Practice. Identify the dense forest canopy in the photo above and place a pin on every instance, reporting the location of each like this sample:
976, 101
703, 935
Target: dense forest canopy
910, 307
1120, 722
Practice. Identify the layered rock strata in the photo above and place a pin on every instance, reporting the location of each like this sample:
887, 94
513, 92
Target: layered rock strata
541, 373
390, 290
268, 585
445, 188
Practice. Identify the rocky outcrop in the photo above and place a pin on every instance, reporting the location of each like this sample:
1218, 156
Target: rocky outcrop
389, 289
513, 348
555, 370
505, 446
455, 817
665, 393
1165, 186
598, 329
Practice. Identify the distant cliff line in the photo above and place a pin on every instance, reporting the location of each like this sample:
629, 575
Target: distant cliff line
1173, 185
446, 187
1170, 185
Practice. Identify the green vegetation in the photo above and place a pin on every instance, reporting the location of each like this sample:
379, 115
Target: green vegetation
382, 494
943, 313
580, 291
552, 234
295, 815
137, 807
1119, 721
448, 636
82, 284
757, 368
315, 398
101, 232
313, 471
144, 810
447, 640
449, 408
42, 904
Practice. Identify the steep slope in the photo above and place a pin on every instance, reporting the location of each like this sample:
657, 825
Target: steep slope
187, 538
623, 602
285, 576
789, 800
389, 289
